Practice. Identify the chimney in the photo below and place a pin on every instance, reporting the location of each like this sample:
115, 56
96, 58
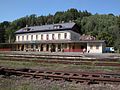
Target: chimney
26, 26
62, 21
53, 23
70, 21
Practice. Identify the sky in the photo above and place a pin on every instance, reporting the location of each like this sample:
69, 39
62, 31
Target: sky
13, 9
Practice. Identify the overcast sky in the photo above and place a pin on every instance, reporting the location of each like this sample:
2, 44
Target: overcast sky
13, 9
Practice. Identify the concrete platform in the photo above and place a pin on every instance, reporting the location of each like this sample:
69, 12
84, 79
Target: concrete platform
92, 55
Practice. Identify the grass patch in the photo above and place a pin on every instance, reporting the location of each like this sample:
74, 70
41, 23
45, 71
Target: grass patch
36, 65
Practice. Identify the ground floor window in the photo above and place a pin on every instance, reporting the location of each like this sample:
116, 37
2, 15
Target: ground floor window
82, 47
73, 47
53, 47
32, 46
18, 46
36, 46
65, 45
41, 49
26, 46
22, 48
97, 46
47, 47
59, 47
91, 46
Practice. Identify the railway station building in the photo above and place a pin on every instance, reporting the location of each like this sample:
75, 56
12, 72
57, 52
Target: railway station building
61, 37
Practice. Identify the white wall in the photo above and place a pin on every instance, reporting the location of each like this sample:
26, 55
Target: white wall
44, 36
94, 49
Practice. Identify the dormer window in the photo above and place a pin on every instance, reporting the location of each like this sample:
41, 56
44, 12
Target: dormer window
26, 29
57, 26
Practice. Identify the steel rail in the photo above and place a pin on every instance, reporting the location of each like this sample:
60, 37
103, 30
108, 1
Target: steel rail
75, 62
81, 77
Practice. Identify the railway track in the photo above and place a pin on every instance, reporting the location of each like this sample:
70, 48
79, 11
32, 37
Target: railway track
59, 60
61, 57
78, 77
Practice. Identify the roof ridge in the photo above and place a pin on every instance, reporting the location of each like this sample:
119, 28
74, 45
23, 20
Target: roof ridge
53, 24
49, 27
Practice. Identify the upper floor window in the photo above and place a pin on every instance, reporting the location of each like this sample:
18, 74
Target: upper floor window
42, 37
27, 37
65, 35
22, 38
59, 35
53, 36
47, 37
31, 37
18, 38
36, 37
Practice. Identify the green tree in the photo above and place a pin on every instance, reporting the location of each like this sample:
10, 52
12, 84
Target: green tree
58, 17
